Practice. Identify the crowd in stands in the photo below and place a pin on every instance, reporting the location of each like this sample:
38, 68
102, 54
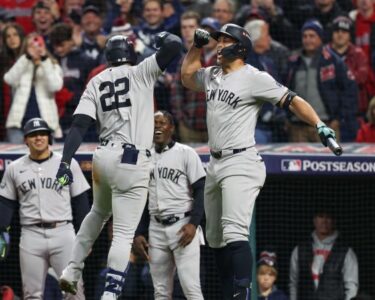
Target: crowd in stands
324, 50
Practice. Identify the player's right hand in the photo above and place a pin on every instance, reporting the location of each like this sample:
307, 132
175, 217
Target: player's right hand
4, 245
201, 38
64, 175
140, 246
325, 133
159, 39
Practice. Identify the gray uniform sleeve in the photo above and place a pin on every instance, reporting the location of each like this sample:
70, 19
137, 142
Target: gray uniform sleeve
200, 78
293, 275
350, 275
87, 103
266, 88
80, 183
7, 186
148, 71
194, 167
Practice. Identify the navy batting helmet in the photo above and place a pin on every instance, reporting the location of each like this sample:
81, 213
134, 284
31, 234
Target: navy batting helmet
119, 49
241, 48
35, 125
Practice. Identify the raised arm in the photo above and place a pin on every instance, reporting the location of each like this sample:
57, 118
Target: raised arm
192, 60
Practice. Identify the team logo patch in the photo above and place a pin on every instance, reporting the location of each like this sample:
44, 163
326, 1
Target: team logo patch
291, 165
328, 72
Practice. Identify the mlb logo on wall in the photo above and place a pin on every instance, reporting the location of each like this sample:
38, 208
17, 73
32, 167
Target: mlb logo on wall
291, 165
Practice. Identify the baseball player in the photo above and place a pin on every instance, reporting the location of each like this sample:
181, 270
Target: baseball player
235, 93
120, 100
45, 209
176, 208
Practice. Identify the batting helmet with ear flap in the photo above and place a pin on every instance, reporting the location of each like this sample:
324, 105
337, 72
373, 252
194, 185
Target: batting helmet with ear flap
119, 49
37, 124
241, 48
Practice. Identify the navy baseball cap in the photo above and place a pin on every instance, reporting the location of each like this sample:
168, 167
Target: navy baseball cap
91, 8
313, 25
211, 22
342, 23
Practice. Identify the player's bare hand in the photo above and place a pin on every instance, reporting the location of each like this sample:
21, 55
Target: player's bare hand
187, 234
140, 247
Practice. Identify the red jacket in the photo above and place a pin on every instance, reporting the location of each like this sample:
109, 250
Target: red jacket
366, 134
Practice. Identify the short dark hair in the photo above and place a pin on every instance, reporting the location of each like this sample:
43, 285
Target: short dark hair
166, 114
60, 33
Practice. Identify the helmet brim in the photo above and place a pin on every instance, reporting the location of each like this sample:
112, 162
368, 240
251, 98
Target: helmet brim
215, 35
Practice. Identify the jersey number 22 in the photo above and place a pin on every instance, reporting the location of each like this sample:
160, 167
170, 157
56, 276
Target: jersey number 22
111, 99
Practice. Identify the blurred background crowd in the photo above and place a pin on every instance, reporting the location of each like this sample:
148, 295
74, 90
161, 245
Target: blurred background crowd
324, 50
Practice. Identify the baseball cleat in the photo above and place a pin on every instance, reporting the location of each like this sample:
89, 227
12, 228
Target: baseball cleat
68, 286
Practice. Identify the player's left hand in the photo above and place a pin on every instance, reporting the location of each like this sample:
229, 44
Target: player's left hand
187, 234
325, 132
64, 175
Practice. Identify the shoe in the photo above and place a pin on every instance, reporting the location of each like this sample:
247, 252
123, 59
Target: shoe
108, 296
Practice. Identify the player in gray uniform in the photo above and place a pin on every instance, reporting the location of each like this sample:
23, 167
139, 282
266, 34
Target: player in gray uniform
120, 100
45, 209
175, 204
235, 93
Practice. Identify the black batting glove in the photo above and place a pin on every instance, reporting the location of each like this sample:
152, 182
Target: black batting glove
64, 175
201, 38
325, 133
159, 39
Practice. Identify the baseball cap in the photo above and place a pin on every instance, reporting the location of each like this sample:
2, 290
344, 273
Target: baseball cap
211, 22
91, 8
313, 25
267, 258
40, 5
342, 23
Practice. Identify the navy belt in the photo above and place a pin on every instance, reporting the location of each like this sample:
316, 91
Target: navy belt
171, 219
124, 145
223, 153
50, 225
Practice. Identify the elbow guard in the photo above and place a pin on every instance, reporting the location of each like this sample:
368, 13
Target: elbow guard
289, 98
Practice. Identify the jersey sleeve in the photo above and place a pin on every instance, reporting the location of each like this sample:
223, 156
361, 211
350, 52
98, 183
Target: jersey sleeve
79, 184
148, 71
87, 104
7, 186
193, 165
266, 88
200, 78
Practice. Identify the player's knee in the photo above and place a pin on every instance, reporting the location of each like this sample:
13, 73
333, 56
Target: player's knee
104, 215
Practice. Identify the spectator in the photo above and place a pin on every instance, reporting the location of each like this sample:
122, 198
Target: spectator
43, 19
323, 267
75, 65
366, 133
189, 107
34, 78
261, 40
127, 14
223, 11
12, 39
20, 11
323, 10
281, 29
93, 37
267, 276
320, 76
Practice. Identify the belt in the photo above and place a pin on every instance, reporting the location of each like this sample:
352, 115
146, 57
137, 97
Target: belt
123, 145
224, 153
171, 219
50, 225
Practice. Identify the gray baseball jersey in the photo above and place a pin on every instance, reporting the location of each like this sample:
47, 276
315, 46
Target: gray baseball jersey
174, 170
119, 99
41, 197
234, 101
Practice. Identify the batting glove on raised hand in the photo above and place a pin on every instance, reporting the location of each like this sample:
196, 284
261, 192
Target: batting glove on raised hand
64, 175
201, 38
159, 39
325, 132
4, 245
